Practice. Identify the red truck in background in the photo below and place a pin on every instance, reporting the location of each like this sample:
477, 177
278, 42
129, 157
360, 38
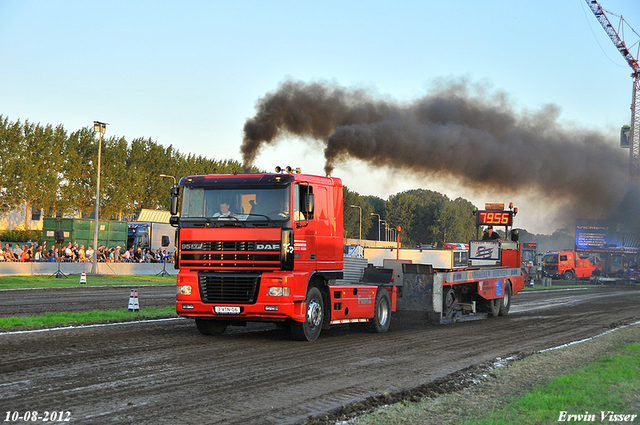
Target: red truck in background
568, 265
269, 247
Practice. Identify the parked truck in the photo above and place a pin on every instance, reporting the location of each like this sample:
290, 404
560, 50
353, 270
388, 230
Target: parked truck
269, 247
568, 265
150, 235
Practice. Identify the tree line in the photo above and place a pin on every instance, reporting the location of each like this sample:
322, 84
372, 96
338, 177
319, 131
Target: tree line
48, 168
51, 169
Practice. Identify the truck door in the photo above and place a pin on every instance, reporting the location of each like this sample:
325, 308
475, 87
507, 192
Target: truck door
305, 235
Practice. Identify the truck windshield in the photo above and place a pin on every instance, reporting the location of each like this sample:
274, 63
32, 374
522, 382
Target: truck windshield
528, 255
550, 258
237, 204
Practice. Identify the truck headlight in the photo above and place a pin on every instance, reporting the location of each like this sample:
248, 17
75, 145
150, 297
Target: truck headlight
279, 291
184, 290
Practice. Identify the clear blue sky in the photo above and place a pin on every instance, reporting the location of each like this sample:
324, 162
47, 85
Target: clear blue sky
189, 73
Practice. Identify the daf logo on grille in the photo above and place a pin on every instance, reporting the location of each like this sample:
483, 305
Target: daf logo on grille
267, 246
192, 246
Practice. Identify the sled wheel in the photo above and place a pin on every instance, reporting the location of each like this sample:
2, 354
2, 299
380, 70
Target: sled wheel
312, 325
448, 300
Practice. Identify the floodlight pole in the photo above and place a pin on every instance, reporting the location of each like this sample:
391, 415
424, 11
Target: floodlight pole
378, 225
99, 127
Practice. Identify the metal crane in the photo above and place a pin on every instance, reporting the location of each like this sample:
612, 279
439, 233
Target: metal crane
634, 135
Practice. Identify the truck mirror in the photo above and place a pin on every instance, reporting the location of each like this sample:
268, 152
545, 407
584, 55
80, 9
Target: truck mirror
165, 241
514, 235
174, 200
308, 203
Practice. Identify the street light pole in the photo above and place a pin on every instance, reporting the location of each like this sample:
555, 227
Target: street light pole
378, 225
99, 127
360, 233
168, 176
385, 228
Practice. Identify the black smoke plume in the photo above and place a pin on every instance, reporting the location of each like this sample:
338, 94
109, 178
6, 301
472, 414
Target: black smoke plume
457, 131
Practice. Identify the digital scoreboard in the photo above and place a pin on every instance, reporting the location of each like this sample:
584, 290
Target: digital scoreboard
494, 218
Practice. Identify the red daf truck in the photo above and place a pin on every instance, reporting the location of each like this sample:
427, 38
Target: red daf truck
269, 247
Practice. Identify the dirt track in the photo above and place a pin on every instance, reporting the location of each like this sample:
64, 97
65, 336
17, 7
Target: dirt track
166, 372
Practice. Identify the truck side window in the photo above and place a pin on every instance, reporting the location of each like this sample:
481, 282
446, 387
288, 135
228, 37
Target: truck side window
563, 258
299, 197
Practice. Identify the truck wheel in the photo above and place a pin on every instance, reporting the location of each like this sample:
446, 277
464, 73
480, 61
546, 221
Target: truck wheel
568, 275
210, 327
382, 314
492, 307
505, 302
312, 325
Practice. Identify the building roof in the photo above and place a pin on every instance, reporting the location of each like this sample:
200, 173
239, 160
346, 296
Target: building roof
154, 216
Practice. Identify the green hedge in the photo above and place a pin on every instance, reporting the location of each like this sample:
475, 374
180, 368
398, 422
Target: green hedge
21, 235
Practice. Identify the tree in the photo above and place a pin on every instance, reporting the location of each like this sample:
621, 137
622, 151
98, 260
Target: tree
77, 188
352, 224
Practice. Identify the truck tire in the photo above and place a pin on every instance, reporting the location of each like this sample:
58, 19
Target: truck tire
309, 330
492, 307
382, 313
568, 275
210, 327
505, 301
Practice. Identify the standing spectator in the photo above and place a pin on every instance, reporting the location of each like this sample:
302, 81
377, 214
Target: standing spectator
118, 256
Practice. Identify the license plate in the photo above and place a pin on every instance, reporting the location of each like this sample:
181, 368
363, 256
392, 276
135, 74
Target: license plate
227, 310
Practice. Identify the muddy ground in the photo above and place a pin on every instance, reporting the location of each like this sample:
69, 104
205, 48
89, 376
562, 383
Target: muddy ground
166, 372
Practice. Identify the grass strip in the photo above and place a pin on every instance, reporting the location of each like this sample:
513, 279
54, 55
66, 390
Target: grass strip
594, 393
41, 281
68, 319
599, 375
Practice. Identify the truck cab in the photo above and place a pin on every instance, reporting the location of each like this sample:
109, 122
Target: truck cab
252, 247
568, 265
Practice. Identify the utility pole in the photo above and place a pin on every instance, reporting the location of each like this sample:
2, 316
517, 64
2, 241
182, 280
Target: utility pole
99, 127
378, 225
360, 233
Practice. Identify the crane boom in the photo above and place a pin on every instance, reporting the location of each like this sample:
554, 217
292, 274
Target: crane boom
634, 142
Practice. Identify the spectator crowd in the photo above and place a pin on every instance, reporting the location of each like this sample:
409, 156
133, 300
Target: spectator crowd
73, 252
